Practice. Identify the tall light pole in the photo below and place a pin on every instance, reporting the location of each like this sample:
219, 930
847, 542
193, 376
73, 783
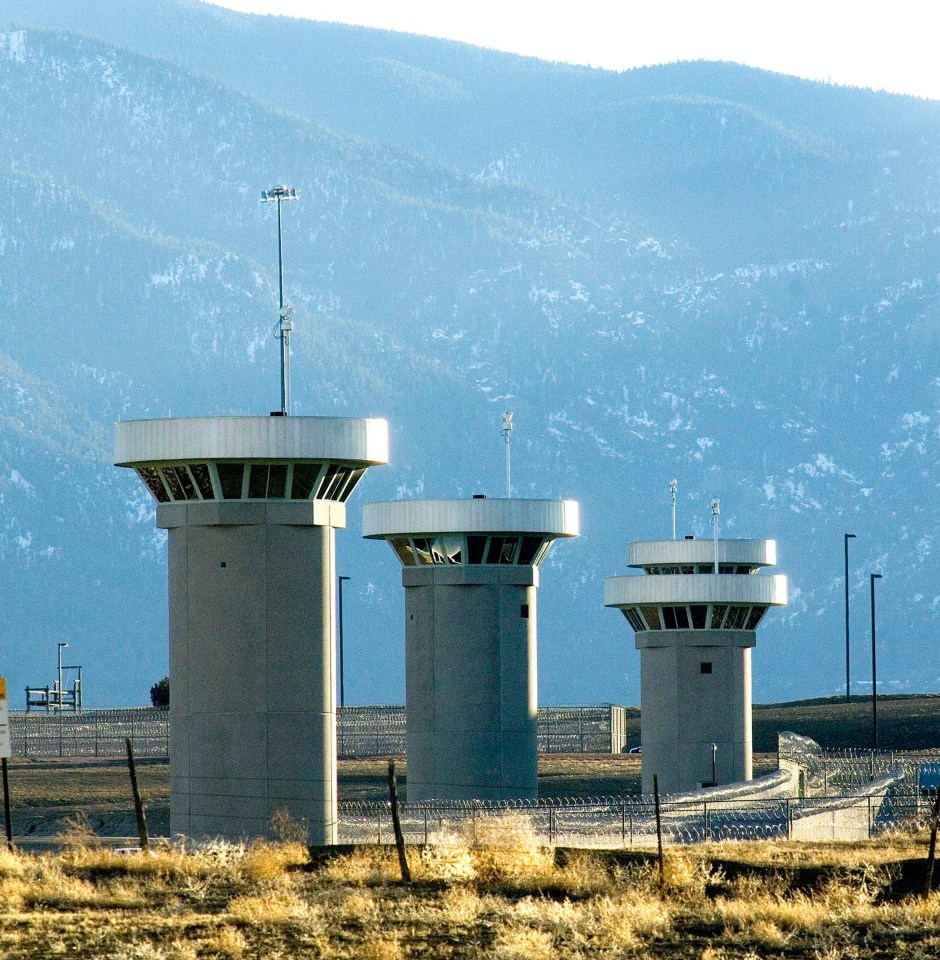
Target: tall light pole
285, 321
673, 489
507, 433
848, 688
342, 692
62, 644
716, 513
874, 669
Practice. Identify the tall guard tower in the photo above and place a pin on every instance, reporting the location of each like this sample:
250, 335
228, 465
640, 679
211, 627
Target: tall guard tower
251, 505
695, 613
470, 573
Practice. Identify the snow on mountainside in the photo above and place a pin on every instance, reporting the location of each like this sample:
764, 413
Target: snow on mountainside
697, 271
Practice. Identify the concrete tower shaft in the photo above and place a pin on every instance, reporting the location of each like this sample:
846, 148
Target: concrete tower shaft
695, 629
251, 506
470, 572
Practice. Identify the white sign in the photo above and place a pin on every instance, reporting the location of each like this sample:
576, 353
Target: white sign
5, 750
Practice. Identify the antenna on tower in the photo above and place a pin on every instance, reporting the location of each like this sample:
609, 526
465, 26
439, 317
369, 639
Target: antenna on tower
716, 513
285, 319
673, 489
507, 432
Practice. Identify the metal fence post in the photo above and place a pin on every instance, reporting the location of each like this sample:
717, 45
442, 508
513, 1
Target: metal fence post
623, 824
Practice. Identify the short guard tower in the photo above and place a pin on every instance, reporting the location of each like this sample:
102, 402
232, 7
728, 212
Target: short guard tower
251, 505
695, 614
470, 576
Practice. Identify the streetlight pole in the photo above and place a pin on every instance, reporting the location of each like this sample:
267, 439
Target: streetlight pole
62, 644
342, 692
874, 669
285, 322
848, 689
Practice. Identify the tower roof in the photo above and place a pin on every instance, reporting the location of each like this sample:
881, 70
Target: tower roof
397, 518
355, 442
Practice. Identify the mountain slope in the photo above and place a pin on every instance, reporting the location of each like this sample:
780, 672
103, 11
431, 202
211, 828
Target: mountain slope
698, 271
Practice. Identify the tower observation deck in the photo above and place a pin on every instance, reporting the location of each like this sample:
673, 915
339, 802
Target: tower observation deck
470, 573
695, 628
251, 506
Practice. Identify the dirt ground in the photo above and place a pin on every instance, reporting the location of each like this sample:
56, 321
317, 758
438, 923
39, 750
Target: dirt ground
45, 794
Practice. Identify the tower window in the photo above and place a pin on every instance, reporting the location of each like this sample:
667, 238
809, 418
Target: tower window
524, 611
705, 666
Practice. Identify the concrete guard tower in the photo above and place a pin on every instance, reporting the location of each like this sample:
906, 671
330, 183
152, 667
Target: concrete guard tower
695, 614
470, 573
251, 505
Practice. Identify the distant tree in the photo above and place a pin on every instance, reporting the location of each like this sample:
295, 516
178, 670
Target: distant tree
160, 693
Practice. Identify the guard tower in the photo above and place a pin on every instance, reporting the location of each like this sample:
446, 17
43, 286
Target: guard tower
251, 505
470, 573
695, 613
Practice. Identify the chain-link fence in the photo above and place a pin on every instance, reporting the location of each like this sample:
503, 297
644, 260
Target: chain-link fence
361, 731
631, 822
823, 773
91, 733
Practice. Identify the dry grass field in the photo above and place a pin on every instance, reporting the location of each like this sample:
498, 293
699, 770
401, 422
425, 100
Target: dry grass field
489, 894
484, 892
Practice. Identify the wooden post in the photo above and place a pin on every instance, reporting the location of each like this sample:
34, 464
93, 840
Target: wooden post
396, 822
932, 850
138, 806
659, 837
6, 806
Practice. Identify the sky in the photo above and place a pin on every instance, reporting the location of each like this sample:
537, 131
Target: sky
886, 46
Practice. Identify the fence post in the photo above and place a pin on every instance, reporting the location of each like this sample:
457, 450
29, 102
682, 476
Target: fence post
789, 821
659, 836
631, 829
870, 821
623, 824
425, 826
707, 832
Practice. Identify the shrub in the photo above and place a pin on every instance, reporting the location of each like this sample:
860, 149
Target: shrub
160, 693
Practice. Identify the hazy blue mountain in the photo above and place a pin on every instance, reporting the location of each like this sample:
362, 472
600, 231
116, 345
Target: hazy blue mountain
700, 271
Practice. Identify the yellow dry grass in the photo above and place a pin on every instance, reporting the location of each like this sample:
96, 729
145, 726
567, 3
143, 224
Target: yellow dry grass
487, 891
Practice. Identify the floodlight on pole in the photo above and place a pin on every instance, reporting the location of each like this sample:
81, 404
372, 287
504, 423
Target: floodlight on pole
342, 686
848, 688
507, 433
62, 644
874, 669
285, 321
673, 489
716, 513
